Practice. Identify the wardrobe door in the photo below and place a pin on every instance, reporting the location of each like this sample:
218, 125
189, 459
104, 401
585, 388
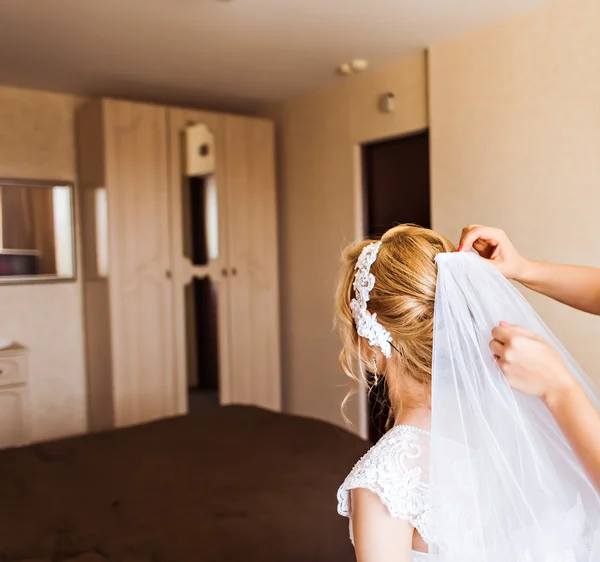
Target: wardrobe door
141, 308
249, 175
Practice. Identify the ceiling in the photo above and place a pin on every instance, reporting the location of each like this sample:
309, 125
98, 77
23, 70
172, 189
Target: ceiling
222, 55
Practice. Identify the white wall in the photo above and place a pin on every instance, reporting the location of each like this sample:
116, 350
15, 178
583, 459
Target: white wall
37, 142
318, 137
515, 142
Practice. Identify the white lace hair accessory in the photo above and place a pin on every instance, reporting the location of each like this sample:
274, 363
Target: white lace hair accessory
364, 281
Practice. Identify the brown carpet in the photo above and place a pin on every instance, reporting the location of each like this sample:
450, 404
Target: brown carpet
233, 484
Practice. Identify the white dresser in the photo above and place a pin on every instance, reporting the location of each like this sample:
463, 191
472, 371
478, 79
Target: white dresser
14, 397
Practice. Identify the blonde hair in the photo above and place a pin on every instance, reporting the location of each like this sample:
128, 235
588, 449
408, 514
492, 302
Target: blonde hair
403, 299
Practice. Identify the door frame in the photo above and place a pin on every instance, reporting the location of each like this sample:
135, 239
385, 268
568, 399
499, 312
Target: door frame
360, 229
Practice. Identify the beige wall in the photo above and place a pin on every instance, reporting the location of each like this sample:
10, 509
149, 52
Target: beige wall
317, 140
515, 140
37, 142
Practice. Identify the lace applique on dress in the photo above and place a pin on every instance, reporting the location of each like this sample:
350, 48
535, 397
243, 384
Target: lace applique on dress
396, 469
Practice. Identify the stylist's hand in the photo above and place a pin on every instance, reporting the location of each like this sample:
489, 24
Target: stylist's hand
493, 245
529, 363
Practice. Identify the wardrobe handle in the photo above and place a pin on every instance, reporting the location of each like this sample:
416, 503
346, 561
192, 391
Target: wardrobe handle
224, 272
168, 274
234, 271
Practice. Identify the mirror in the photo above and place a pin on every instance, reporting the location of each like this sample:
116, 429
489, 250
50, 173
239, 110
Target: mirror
37, 241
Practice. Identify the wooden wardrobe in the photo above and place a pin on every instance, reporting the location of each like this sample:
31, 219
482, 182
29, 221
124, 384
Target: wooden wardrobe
133, 209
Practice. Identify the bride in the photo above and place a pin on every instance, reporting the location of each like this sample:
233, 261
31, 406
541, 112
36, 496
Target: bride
469, 470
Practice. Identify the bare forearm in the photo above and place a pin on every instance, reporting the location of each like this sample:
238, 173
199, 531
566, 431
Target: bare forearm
576, 286
579, 421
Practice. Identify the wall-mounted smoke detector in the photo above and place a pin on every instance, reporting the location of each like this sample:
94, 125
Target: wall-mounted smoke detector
387, 102
355, 66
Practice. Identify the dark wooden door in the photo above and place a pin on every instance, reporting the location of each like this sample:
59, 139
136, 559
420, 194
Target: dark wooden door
396, 191
397, 183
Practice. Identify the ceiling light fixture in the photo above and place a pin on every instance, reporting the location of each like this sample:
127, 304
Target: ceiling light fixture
359, 65
344, 69
355, 66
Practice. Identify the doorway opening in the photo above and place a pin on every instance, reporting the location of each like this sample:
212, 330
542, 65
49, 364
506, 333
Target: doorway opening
396, 190
201, 295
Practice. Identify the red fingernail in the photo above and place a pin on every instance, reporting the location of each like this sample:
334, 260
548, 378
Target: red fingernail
459, 248
503, 323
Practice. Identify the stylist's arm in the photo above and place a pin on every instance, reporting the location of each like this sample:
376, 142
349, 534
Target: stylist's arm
532, 366
573, 285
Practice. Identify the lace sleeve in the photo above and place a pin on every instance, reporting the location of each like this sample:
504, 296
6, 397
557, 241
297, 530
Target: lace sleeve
396, 469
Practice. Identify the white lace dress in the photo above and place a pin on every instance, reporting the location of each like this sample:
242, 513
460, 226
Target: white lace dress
396, 469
